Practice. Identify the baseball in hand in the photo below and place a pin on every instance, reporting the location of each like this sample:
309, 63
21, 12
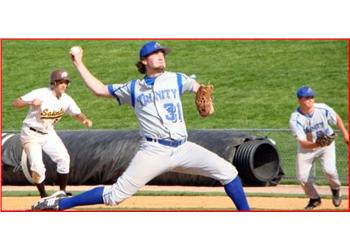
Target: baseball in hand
75, 50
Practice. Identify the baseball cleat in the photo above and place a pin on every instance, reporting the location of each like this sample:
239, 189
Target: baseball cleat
313, 203
59, 193
336, 198
50, 202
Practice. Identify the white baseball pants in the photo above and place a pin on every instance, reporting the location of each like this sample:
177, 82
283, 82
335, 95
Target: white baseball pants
305, 171
33, 143
153, 159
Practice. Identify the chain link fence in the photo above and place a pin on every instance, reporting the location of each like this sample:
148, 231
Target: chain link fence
287, 148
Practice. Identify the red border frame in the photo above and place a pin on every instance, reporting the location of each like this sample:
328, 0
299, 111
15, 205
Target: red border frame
348, 118
1, 122
180, 39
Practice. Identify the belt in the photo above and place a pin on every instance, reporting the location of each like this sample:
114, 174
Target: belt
171, 143
38, 131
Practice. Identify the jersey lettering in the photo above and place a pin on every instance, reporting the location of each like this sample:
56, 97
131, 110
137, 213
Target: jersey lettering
46, 114
315, 127
145, 99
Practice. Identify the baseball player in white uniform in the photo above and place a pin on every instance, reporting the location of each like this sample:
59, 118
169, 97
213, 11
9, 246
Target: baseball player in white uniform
156, 99
46, 108
307, 123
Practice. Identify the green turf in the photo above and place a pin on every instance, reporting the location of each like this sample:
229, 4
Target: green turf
255, 82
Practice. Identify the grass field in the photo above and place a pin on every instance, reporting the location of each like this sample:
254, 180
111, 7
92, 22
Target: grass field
255, 81
170, 193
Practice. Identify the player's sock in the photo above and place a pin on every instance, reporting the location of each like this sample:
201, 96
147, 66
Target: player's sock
91, 197
235, 191
41, 189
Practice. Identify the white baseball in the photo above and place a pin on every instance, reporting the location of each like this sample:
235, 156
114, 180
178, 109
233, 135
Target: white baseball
75, 50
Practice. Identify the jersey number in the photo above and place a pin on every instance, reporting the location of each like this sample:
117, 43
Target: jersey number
174, 112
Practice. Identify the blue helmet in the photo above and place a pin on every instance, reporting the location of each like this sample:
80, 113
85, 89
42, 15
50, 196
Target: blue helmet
151, 47
305, 91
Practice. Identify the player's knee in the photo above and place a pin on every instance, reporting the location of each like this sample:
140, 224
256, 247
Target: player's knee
300, 177
63, 164
332, 175
303, 181
331, 172
38, 175
124, 188
229, 175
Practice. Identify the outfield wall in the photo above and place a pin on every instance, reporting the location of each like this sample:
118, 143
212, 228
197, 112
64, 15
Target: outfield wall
286, 146
100, 157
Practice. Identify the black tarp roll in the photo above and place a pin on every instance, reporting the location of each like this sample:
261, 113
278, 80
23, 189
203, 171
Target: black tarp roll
100, 157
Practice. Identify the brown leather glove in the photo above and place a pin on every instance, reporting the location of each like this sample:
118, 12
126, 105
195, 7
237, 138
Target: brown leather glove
325, 140
204, 101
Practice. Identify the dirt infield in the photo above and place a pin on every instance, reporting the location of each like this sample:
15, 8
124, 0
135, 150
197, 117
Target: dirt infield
184, 203
190, 202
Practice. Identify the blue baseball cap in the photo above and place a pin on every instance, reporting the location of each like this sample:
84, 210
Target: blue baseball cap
305, 91
151, 47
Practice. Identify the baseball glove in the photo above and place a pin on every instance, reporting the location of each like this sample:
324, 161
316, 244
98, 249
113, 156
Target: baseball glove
325, 140
204, 101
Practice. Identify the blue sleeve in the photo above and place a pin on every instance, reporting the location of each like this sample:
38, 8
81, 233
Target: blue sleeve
121, 92
328, 112
187, 83
331, 115
297, 127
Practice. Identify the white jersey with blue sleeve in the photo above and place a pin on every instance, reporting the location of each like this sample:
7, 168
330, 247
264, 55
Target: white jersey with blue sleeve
157, 103
310, 127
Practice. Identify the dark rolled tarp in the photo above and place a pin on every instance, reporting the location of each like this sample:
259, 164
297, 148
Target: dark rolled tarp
100, 157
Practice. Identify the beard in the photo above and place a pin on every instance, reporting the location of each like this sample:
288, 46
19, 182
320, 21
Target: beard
155, 69
159, 68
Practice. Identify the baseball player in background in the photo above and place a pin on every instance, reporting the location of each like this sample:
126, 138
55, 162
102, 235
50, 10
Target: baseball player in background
156, 99
46, 108
308, 123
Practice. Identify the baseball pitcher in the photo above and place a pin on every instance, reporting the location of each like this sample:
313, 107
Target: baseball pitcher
156, 99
